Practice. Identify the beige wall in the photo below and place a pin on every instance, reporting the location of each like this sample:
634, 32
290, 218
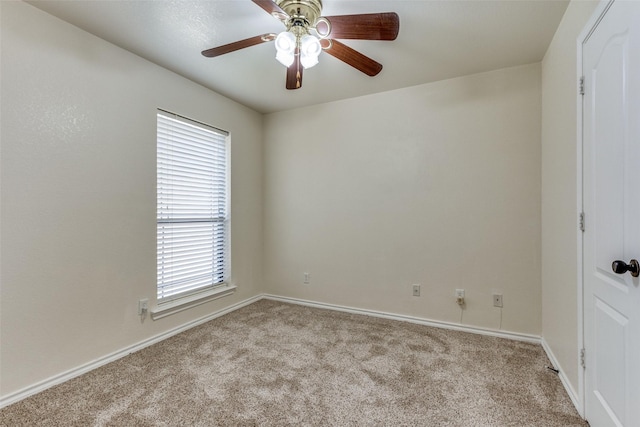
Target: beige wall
78, 194
437, 184
559, 191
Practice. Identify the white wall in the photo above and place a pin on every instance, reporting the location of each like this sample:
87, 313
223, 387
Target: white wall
78, 194
437, 184
559, 191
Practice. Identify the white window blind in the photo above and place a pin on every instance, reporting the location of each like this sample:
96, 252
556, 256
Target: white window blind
192, 214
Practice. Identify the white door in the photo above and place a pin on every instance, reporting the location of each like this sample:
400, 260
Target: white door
611, 179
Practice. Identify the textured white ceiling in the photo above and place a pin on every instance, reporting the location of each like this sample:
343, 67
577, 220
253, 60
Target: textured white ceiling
437, 40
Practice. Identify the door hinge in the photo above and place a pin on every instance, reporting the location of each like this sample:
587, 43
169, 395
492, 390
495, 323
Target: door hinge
581, 221
582, 85
582, 358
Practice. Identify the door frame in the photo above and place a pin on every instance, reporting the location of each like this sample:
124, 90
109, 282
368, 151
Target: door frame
589, 27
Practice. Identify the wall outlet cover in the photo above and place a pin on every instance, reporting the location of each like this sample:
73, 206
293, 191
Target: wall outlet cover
143, 306
497, 300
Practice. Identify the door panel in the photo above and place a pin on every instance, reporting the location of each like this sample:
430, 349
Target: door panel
609, 366
611, 197
606, 77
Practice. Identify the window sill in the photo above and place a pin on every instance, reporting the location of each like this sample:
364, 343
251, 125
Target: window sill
178, 305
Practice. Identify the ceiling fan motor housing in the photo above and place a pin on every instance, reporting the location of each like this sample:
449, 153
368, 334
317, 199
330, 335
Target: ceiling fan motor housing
302, 13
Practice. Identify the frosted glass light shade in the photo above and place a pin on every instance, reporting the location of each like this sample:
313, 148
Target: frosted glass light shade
285, 58
308, 61
310, 45
309, 50
285, 48
286, 42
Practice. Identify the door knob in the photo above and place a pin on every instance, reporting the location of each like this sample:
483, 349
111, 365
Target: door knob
621, 267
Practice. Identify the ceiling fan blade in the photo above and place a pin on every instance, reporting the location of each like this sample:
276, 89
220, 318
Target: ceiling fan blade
294, 73
369, 26
240, 44
352, 57
272, 9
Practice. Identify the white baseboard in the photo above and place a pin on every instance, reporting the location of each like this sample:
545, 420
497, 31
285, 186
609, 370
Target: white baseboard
404, 318
75, 372
563, 378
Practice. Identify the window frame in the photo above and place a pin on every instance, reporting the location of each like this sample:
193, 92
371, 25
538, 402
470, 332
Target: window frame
175, 301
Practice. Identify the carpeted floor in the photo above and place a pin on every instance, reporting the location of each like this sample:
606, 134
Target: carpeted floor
276, 364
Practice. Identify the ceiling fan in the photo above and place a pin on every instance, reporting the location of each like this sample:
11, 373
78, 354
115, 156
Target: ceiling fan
308, 33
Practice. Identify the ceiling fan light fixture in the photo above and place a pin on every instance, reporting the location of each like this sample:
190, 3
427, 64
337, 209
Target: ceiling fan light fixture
310, 45
285, 58
309, 50
308, 61
285, 48
286, 42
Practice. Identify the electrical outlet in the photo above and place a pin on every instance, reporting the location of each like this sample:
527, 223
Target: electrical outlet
307, 276
416, 290
143, 306
460, 296
497, 300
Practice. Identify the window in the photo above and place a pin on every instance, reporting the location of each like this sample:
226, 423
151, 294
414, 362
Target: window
192, 207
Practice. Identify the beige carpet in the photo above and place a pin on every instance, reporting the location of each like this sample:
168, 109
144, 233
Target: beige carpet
275, 364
